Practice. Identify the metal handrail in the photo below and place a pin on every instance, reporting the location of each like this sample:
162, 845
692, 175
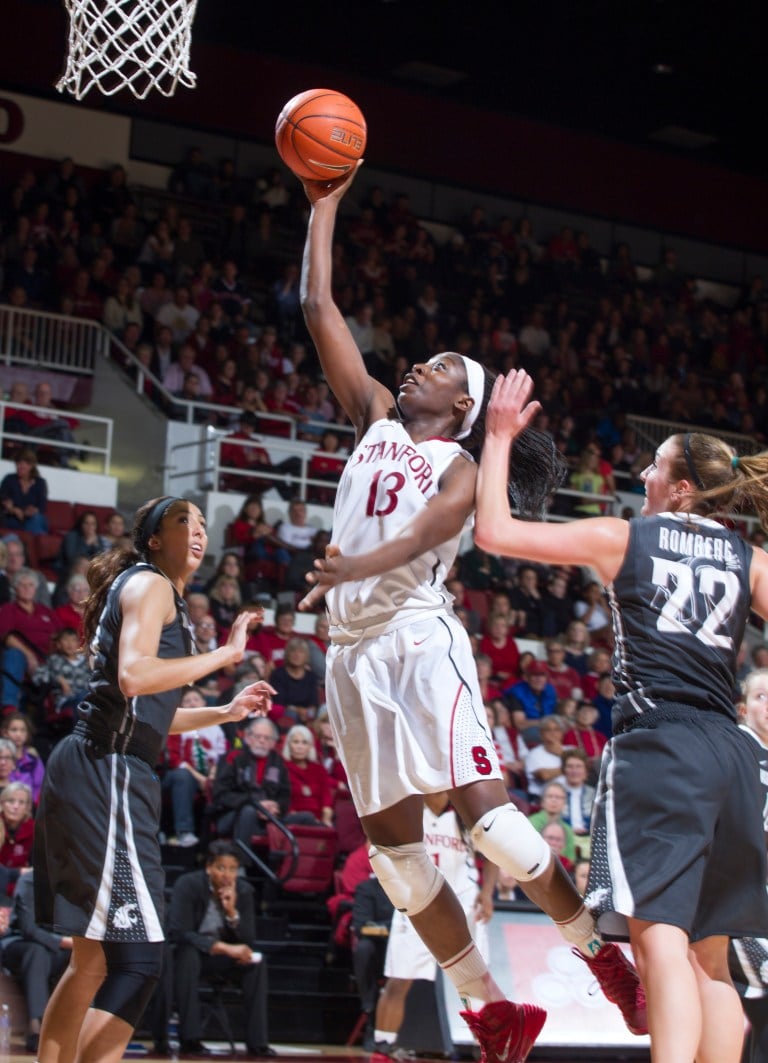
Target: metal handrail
231, 413
50, 341
278, 880
43, 442
58, 341
654, 431
211, 473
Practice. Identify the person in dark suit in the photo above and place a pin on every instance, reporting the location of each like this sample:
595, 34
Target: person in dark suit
255, 776
35, 957
371, 916
212, 930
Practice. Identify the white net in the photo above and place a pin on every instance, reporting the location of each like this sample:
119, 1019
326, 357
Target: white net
137, 45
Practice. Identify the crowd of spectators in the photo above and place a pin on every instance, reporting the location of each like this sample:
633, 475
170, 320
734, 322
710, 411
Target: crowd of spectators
217, 312
542, 649
215, 315
217, 318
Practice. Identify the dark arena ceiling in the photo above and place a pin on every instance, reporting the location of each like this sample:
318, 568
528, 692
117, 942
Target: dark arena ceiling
678, 76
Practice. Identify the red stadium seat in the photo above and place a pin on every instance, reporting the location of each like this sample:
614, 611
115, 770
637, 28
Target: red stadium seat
478, 603
61, 516
47, 546
103, 513
317, 857
348, 826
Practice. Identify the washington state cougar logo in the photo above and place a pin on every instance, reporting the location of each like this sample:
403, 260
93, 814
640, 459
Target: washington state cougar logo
125, 917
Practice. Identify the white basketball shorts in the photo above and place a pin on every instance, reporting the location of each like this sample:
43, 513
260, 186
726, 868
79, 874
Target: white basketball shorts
407, 713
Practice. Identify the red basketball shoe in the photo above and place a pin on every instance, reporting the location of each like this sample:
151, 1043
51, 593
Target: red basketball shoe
621, 984
505, 1031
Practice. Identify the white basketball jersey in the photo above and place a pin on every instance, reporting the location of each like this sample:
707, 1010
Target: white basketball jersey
388, 481
407, 955
448, 850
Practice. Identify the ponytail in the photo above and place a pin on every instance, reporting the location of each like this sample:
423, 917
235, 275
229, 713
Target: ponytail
724, 481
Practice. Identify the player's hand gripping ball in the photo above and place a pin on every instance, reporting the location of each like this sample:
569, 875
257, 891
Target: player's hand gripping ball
320, 134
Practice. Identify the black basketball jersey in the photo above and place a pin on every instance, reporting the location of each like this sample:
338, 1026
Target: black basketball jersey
680, 604
105, 707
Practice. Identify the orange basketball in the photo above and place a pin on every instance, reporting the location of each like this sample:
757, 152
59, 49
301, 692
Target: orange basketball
320, 134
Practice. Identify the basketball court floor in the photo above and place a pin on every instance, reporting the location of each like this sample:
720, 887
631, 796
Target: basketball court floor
337, 1053
340, 1054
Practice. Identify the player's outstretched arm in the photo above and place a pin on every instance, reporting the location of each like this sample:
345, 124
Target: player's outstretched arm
147, 603
362, 398
253, 700
599, 541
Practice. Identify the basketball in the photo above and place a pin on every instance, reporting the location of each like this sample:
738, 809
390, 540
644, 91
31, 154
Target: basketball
320, 134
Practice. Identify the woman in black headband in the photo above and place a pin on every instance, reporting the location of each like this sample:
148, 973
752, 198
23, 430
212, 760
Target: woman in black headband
98, 873
678, 854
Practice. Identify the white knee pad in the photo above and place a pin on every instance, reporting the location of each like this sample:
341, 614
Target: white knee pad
506, 837
407, 875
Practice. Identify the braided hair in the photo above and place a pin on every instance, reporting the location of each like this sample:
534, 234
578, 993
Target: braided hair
536, 467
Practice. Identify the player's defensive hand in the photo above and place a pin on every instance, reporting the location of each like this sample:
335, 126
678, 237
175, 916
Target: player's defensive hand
510, 410
238, 633
253, 700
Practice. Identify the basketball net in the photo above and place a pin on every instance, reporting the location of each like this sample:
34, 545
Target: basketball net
137, 45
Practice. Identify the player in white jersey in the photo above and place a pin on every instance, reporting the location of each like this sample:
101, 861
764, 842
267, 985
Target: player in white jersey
407, 956
677, 860
387, 475
401, 686
449, 849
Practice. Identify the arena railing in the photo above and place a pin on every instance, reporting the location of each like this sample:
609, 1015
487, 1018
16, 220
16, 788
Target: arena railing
98, 427
200, 412
219, 477
51, 341
653, 432
45, 340
302, 484
73, 344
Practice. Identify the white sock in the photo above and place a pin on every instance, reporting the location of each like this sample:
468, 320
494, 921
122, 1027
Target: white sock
580, 930
474, 982
384, 1037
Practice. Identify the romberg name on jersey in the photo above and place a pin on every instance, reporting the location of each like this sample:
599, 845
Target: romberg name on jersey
693, 544
386, 450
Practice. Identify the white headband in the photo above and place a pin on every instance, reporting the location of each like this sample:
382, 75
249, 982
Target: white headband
476, 388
